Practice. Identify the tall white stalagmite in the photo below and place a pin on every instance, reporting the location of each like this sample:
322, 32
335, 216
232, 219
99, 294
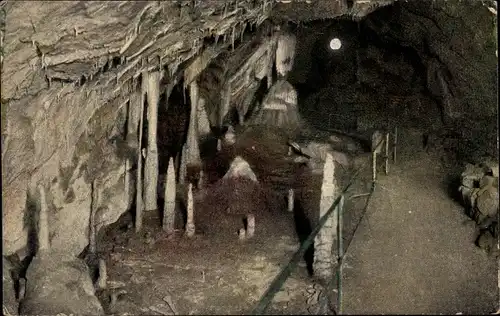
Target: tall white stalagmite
285, 53
169, 207
323, 243
43, 223
193, 150
190, 228
139, 203
151, 168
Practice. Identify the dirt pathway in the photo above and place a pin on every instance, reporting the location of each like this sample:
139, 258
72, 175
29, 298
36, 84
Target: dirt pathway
413, 252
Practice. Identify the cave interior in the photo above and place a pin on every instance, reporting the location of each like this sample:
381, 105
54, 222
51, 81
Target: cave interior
183, 182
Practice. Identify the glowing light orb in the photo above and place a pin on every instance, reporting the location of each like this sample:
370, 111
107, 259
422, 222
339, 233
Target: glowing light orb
335, 44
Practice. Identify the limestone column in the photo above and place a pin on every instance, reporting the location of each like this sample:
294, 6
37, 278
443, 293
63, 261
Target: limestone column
151, 168
139, 203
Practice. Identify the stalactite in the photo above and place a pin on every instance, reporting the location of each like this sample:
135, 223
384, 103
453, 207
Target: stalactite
139, 200
242, 33
190, 228
43, 223
151, 168
323, 243
170, 193
203, 121
285, 53
193, 150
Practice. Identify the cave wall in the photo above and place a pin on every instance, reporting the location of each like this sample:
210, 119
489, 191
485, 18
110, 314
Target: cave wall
69, 69
430, 64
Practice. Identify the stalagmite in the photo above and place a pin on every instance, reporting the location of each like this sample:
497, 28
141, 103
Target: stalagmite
43, 223
192, 149
139, 200
242, 234
103, 275
190, 228
250, 226
169, 207
291, 200
323, 243
151, 168
219, 144
230, 136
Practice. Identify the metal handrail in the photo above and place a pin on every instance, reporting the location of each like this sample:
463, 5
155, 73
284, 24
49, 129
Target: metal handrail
280, 279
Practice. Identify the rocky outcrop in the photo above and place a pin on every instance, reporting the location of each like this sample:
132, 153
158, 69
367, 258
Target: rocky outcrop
59, 285
479, 191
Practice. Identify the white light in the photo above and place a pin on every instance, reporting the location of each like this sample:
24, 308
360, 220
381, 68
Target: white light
335, 44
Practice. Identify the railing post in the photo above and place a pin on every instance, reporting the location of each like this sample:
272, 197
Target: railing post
387, 153
394, 144
340, 243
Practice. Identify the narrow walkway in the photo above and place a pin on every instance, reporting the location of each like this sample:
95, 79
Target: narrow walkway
413, 252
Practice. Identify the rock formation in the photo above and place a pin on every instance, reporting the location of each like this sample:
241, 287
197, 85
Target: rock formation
323, 243
479, 191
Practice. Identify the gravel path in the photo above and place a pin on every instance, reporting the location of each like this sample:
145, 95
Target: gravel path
413, 252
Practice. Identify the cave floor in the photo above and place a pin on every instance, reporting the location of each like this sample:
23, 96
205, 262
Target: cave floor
214, 272
414, 251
